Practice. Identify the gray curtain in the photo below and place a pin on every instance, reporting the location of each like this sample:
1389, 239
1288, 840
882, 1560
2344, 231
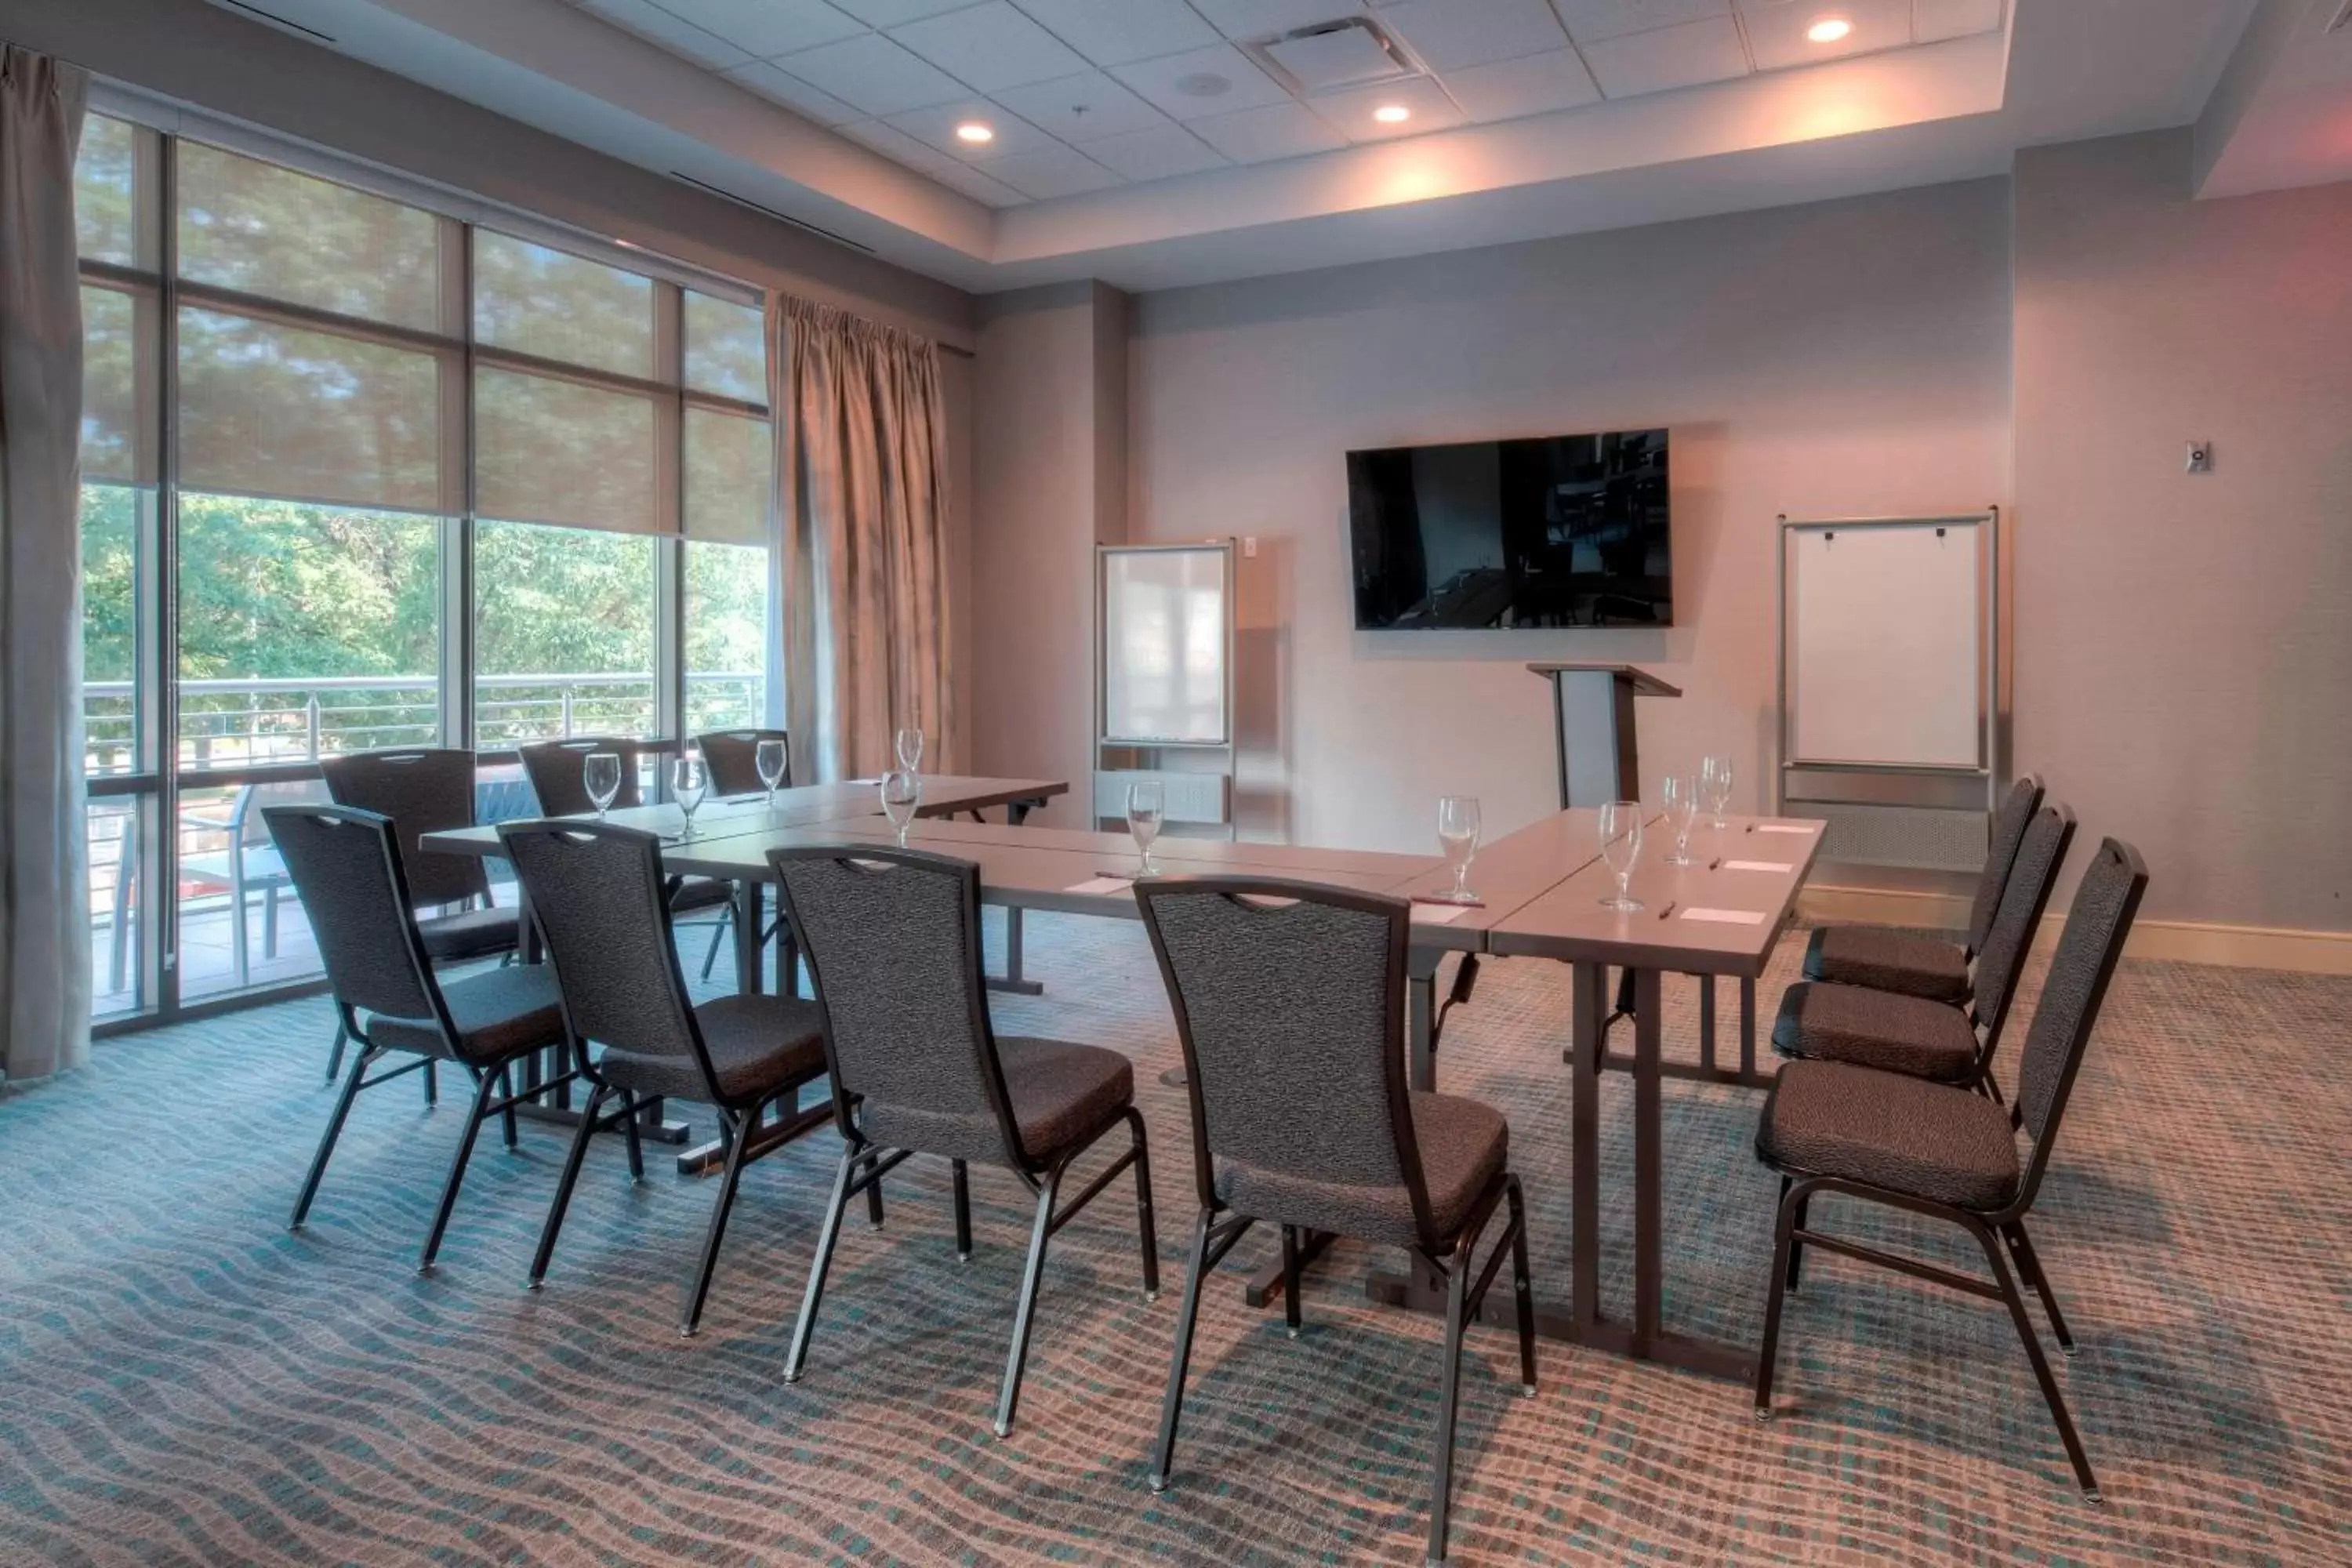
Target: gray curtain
44, 871
860, 540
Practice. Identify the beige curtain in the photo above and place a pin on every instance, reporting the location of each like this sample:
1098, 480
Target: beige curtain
44, 873
860, 540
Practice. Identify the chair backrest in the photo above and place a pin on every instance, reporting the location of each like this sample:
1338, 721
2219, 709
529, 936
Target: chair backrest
554, 769
733, 758
2106, 902
892, 936
2008, 825
597, 897
428, 790
1292, 1019
346, 868
2040, 853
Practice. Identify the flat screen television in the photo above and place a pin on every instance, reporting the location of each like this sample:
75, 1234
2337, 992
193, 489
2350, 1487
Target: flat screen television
1563, 531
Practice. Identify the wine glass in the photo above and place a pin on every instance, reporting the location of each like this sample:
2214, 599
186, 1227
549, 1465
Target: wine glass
1146, 802
911, 750
1681, 797
689, 781
1457, 835
1715, 785
1620, 845
902, 792
768, 756
600, 776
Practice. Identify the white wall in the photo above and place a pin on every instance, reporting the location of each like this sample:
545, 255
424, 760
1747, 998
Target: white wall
1852, 357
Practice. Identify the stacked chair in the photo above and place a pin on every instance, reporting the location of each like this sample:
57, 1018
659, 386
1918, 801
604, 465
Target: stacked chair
348, 869
893, 940
1289, 1002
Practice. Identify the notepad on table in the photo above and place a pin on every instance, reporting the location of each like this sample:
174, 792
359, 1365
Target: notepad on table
1782, 828
1101, 886
1757, 866
1727, 917
1439, 914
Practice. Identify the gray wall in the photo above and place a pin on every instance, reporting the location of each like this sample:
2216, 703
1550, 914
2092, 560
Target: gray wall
2184, 643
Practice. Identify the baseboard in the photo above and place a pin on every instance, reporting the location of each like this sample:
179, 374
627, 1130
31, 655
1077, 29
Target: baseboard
2182, 941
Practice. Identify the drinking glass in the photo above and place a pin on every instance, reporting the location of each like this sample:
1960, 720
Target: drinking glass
1681, 797
689, 781
1620, 845
769, 758
1146, 802
1715, 785
601, 773
902, 792
911, 750
1457, 835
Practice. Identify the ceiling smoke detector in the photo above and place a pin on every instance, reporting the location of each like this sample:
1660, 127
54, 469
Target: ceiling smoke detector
1352, 52
1203, 84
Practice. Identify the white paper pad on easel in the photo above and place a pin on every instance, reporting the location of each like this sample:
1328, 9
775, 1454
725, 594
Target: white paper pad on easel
1782, 828
1757, 866
1727, 917
1439, 914
1102, 886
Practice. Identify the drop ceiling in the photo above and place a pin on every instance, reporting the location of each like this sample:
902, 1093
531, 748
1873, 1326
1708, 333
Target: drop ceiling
1080, 96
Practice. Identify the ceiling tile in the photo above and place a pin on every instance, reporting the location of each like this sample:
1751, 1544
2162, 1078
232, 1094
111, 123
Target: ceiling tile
874, 74
1349, 112
1589, 20
1082, 109
793, 93
1450, 34
1056, 171
1668, 57
1218, 80
1259, 135
899, 147
1113, 32
680, 38
1510, 89
1776, 33
936, 128
767, 28
890, 13
991, 47
1264, 18
978, 185
1933, 21
1161, 152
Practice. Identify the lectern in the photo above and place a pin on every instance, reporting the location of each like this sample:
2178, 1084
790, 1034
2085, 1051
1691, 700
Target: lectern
1592, 722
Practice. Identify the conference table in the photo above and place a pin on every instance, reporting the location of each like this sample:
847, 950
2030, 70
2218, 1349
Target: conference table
1541, 887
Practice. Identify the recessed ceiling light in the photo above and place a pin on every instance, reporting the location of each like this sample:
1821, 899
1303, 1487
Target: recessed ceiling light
1828, 29
973, 131
1393, 115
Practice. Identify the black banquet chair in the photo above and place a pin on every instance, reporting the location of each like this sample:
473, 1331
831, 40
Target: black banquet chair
893, 940
1919, 963
1947, 1154
1949, 1042
1289, 1002
349, 872
598, 897
733, 758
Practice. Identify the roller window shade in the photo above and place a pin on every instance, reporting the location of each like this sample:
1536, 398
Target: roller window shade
726, 348
555, 306
729, 477
554, 451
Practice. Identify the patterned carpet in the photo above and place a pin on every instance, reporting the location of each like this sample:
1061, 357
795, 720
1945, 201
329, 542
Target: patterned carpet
182, 1381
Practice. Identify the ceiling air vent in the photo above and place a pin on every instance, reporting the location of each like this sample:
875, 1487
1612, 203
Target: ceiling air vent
1353, 52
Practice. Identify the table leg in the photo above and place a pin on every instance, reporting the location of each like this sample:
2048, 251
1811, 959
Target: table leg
1012, 980
1747, 1027
1588, 1026
1421, 1017
1707, 1023
1649, 1174
750, 924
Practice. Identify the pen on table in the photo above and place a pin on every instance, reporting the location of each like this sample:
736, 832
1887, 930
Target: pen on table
1667, 911
1750, 828
1715, 864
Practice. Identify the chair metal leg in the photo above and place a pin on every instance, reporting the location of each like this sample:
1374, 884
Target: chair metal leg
964, 1212
335, 1056
718, 935
1146, 1235
1025, 1313
1797, 1247
874, 1202
562, 1199
829, 1234
636, 1143
506, 1114
432, 1085
1449, 1391
1290, 1280
1179, 1360
2032, 1343
327, 1141
270, 924
721, 1207
2028, 1263
1523, 1291
486, 1085
1770, 1350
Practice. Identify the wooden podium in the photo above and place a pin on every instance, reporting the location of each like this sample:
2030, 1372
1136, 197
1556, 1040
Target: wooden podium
1593, 724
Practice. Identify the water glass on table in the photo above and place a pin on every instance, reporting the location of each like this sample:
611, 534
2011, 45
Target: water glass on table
1715, 785
600, 774
1458, 837
689, 781
1621, 846
1680, 799
1147, 806
902, 792
910, 745
769, 757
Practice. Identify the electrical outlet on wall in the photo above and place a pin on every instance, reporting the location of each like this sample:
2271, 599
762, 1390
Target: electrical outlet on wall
2200, 457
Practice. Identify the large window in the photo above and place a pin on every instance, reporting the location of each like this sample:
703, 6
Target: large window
358, 474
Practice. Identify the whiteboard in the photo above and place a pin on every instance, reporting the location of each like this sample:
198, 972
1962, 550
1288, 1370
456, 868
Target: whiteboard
1167, 636
1885, 644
